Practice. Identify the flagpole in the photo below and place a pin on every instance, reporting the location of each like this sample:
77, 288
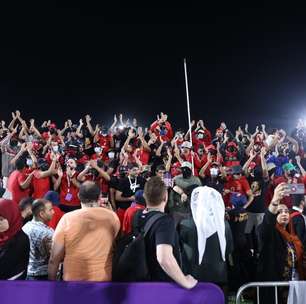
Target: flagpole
188, 110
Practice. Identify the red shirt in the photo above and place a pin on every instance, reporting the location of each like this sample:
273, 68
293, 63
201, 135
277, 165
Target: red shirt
128, 217
96, 156
206, 141
13, 185
169, 134
240, 185
40, 186
69, 192
100, 181
143, 156
104, 142
58, 213
48, 158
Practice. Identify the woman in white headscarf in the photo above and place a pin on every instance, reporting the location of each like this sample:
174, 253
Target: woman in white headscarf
206, 237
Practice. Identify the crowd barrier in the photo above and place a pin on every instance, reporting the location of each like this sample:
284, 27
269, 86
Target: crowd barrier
259, 285
44, 292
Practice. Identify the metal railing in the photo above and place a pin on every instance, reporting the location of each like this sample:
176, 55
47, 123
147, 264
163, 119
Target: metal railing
258, 285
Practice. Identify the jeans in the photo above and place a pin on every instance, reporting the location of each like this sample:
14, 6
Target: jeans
37, 278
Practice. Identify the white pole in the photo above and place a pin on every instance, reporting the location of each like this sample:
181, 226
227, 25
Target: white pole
188, 110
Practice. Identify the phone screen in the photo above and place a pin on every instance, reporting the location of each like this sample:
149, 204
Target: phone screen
296, 188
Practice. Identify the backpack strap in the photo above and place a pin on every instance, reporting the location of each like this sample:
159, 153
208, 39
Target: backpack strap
151, 221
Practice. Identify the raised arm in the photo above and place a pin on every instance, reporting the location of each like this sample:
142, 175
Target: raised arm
102, 173
112, 127
34, 129
298, 162
145, 145
78, 131
264, 167
89, 126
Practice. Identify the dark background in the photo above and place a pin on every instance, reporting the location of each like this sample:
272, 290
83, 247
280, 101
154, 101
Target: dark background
244, 64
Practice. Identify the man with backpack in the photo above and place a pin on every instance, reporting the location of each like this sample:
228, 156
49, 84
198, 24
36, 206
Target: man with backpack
158, 244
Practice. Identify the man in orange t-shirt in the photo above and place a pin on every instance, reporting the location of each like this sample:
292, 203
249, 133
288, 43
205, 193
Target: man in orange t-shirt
84, 239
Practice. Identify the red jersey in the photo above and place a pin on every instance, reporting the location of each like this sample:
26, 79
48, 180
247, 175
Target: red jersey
240, 185
40, 186
128, 217
143, 155
69, 192
105, 142
169, 132
206, 140
13, 185
58, 213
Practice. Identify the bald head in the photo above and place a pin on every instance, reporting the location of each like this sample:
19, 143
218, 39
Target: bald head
89, 193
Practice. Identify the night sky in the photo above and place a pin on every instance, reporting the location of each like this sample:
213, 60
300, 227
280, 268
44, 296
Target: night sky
244, 64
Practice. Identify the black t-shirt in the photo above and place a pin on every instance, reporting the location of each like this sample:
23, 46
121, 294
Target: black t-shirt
14, 256
258, 204
128, 187
162, 232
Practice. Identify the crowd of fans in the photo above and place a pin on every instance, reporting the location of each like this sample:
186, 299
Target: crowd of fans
68, 194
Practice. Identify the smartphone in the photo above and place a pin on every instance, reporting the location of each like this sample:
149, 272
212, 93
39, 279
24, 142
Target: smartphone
296, 188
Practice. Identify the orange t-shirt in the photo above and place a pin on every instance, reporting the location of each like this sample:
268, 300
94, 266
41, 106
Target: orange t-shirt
88, 236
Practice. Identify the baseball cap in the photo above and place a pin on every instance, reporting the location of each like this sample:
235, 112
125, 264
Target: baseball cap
186, 144
288, 167
186, 165
139, 197
236, 169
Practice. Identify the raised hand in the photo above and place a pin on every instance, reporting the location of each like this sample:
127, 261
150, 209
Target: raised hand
280, 192
298, 158
87, 118
134, 123
140, 132
131, 133
60, 172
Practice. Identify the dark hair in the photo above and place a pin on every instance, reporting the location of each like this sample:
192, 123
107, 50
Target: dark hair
89, 192
20, 163
25, 202
132, 165
154, 191
160, 167
38, 206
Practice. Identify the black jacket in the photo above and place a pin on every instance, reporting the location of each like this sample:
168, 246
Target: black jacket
212, 268
273, 254
14, 256
299, 227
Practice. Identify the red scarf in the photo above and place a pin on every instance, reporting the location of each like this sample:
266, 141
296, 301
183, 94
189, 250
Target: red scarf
291, 237
10, 211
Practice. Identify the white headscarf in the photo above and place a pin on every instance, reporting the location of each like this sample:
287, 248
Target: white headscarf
208, 211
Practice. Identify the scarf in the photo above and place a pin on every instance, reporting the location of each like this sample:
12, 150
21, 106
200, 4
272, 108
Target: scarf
10, 211
291, 237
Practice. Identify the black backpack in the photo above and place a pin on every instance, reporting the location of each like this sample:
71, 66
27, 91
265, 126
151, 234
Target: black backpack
130, 259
